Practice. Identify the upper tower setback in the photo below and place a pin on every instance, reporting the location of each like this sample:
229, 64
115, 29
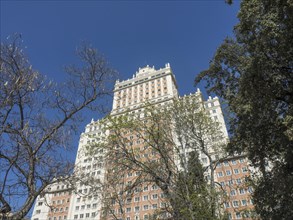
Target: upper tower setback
146, 85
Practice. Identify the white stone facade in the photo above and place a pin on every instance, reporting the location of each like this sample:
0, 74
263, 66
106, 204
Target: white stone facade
54, 203
86, 200
41, 209
147, 85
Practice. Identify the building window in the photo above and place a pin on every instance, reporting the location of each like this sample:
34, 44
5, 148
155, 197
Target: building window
145, 198
136, 199
220, 174
226, 163
238, 181
81, 216
244, 169
229, 216
228, 172
235, 204
227, 204
136, 208
238, 215
241, 191
75, 216
128, 209
154, 206
233, 192
244, 202
236, 171
145, 207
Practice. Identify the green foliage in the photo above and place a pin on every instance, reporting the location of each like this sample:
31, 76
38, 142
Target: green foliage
161, 143
193, 191
253, 72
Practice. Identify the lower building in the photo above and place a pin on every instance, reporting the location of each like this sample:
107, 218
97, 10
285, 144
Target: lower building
232, 175
53, 203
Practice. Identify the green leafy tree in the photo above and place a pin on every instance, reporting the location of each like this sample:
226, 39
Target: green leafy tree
152, 147
193, 191
253, 73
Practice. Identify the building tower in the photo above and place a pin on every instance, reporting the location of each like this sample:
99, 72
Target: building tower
156, 87
147, 85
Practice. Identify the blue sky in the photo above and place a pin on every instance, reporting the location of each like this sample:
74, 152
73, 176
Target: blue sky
131, 34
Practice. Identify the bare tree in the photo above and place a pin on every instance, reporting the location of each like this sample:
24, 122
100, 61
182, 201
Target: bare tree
37, 118
153, 147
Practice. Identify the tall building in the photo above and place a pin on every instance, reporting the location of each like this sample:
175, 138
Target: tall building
158, 88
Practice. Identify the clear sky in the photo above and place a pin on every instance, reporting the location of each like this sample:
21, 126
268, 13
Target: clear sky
131, 34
